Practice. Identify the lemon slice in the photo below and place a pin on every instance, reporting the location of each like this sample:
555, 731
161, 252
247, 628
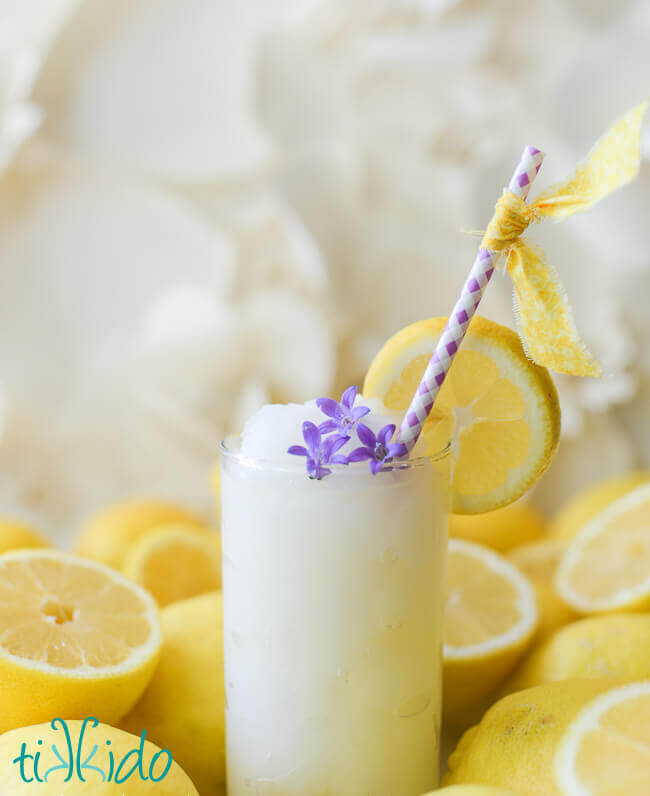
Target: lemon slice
499, 409
77, 639
175, 562
606, 566
490, 619
606, 749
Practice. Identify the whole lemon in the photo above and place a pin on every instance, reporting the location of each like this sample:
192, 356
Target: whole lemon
591, 501
15, 534
116, 757
183, 707
514, 743
501, 529
107, 535
616, 646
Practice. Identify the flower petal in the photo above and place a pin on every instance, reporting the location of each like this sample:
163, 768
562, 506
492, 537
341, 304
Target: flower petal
375, 466
320, 472
327, 447
327, 426
348, 397
311, 435
385, 434
297, 450
366, 435
360, 455
358, 412
339, 458
334, 443
396, 449
329, 407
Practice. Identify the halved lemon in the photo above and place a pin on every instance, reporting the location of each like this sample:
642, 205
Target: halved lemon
514, 744
606, 566
77, 639
175, 562
498, 408
588, 503
606, 748
489, 622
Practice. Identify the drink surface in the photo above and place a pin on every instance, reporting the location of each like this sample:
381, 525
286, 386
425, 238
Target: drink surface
332, 625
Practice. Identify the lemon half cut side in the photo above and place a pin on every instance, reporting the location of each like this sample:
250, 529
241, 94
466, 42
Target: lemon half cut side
77, 639
606, 749
490, 619
606, 566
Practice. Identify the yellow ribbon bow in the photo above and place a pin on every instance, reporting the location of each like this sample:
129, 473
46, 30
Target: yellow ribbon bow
543, 313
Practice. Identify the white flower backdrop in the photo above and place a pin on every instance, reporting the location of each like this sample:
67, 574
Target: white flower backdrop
209, 204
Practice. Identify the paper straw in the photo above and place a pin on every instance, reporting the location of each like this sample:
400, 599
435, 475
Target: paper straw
463, 312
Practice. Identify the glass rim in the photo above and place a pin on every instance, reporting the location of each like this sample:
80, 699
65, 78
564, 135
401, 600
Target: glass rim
260, 463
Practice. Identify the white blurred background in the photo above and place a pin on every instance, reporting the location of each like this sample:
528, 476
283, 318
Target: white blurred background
206, 205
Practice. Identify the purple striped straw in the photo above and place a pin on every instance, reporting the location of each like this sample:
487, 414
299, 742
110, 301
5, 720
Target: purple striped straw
469, 299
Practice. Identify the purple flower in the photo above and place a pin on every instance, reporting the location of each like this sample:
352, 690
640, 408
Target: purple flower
319, 451
344, 415
376, 449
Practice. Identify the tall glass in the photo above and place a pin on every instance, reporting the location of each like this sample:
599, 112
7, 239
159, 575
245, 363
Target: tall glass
333, 594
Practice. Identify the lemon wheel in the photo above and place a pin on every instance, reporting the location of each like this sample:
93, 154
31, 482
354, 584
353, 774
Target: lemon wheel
498, 408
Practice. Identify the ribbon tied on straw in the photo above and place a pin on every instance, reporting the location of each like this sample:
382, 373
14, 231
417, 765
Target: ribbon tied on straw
543, 312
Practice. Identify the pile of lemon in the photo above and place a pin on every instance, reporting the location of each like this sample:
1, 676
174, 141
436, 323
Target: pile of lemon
547, 625
126, 630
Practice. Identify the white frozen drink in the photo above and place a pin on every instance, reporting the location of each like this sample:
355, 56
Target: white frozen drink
332, 616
